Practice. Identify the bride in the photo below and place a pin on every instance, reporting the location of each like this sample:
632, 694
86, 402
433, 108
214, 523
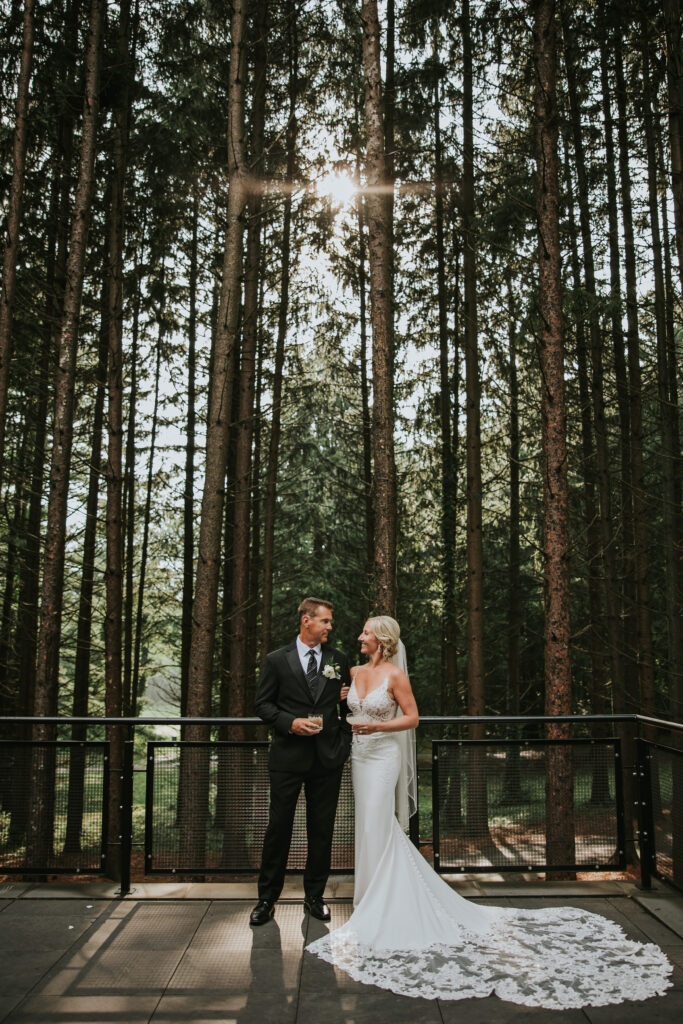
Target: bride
409, 931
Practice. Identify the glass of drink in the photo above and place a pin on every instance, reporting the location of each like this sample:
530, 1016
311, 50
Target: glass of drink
317, 718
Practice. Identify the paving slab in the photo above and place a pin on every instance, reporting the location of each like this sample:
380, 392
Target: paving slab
666, 1009
120, 969
675, 956
330, 994
556, 890
11, 890
497, 1011
67, 891
668, 909
56, 927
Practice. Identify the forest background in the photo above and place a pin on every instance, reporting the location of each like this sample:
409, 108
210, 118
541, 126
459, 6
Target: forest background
123, 260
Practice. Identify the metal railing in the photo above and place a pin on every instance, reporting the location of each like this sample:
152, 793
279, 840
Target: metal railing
180, 807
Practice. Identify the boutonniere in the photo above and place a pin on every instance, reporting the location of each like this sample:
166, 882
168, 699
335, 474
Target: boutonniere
331, 671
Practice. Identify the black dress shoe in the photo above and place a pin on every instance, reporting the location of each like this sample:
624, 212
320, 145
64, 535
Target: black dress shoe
262, 912
317, 908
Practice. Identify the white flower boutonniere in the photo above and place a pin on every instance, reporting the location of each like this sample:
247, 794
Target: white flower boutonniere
331, 671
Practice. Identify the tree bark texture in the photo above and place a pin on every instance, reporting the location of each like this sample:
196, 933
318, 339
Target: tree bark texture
283, 313
674, 72
381, 313
81, 692
477, 796
639, 559
194, 767
188, 495
240, 690
14, 206
448, 511
557, 661
220, 391
604, 540
113, 623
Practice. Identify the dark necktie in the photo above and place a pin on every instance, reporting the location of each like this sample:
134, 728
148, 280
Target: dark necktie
312, 675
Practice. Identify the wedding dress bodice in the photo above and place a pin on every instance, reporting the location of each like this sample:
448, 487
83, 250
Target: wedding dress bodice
376, 706
412, 934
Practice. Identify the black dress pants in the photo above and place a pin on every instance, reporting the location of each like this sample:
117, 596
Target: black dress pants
321, 789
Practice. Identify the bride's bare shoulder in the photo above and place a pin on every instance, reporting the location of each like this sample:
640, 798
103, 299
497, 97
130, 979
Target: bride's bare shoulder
397, 676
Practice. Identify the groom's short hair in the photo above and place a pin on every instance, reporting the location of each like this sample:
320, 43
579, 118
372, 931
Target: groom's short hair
309, 605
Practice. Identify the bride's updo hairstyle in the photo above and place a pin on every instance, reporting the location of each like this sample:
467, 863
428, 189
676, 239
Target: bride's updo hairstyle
387, 631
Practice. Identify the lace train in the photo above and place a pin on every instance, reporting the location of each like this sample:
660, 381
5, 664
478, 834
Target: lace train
412, 934
557, 959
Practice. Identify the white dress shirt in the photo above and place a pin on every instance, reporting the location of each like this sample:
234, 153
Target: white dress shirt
303, 651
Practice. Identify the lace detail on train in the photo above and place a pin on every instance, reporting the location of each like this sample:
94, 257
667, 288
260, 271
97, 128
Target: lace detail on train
412, 934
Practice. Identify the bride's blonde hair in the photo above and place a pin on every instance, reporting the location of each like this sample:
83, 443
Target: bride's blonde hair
387, 632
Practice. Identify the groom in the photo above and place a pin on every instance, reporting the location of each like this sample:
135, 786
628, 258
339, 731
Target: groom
300, 680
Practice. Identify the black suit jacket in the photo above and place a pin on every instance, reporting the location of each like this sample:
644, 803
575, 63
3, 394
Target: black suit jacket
283, 695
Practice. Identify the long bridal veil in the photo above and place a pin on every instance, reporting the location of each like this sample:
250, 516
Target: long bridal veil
406, 784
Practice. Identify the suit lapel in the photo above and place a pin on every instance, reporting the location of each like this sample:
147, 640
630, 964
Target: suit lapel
322, 681
295, 665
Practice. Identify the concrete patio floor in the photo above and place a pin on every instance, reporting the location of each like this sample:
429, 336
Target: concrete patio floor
171, 954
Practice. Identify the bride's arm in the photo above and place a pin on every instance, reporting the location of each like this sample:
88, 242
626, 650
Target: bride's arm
345, 689
402, 692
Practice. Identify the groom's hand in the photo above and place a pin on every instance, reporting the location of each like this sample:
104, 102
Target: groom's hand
344, 692
305, 727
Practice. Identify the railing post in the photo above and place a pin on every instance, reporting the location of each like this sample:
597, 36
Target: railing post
127, 810
645, 820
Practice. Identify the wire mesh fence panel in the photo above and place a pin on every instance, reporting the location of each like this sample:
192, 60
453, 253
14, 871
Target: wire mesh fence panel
53, 806
207, 810
489, 804
666, 786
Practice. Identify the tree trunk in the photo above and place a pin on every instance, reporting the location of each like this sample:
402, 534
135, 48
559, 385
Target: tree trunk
255, 570
625, 690
381, 313
83, 637
599, 782
7, 680
366, 417
16, 191
559, 779
137, 686
113, 624
241, 688
188, 497
194, 769
283, 313
674, 71
129, 510
448, 622
602, 543
639, 565
477, 798
513, 784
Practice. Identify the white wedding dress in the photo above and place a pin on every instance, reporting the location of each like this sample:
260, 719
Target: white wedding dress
412, 934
